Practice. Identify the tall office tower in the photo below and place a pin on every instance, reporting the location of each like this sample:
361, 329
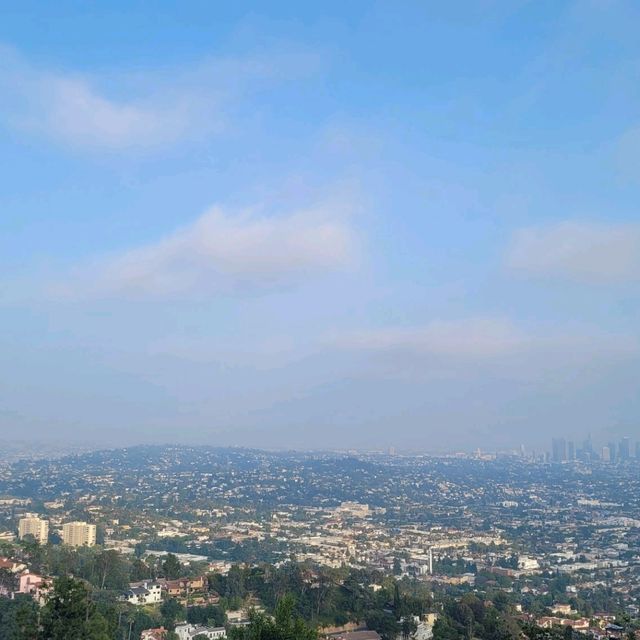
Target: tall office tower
571, 450
558, 450
624, 449
33, 526
587, 446
638, 449
606, 454
612, 451
79, 534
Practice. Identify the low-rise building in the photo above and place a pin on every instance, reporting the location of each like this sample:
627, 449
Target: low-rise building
358, 635
29, 582
185, 586
190, 631
12, 565
159, 633
147, 593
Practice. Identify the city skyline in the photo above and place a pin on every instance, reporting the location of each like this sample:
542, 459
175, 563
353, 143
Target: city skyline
565, 450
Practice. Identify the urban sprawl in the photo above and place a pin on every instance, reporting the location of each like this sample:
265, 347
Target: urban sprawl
182, 542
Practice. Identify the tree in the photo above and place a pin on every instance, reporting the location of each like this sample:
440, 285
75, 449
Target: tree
139, 570
8, 581
501, 601
289, 627
26, 618
97, 628
171, 610
69, 612
235, 583
137, 620
284, 626
112, 573
171, 567
18, 618
32, 553
384, 623
409, 627
207, 614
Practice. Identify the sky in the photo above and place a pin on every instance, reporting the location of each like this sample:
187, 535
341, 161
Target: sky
320, 225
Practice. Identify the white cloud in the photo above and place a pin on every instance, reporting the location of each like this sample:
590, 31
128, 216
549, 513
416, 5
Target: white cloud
131, 111
76, 113
70, 109
580, 251
224, 252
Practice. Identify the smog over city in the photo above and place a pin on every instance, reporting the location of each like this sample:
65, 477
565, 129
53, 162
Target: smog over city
320, 321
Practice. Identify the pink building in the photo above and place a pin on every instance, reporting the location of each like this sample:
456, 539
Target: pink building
29, 582
35, 585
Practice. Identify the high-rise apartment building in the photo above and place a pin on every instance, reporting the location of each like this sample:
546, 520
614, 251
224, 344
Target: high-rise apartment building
624, 449
586, 453
606, 454
32, 525
559, 450
79, 534
571, 450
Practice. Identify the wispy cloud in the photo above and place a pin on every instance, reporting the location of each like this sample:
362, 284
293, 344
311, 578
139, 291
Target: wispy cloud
478, 338
72, 111
130, 111
582, 251
225, 251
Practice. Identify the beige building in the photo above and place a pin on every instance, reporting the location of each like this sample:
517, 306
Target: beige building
79, 534
34, 526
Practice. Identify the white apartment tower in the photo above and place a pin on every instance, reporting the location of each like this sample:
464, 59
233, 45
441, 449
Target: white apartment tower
79, 534
32, 525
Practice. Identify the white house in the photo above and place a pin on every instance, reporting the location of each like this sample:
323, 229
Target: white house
189, 631
148, 593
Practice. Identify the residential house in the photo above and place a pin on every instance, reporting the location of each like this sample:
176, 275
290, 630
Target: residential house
29, 582
148, 593
185, 586
190, 631
160, 633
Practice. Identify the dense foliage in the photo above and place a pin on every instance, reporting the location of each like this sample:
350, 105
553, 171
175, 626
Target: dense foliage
469, 617
284, 625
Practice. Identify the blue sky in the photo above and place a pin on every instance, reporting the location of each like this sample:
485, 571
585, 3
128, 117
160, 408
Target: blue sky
345, 225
